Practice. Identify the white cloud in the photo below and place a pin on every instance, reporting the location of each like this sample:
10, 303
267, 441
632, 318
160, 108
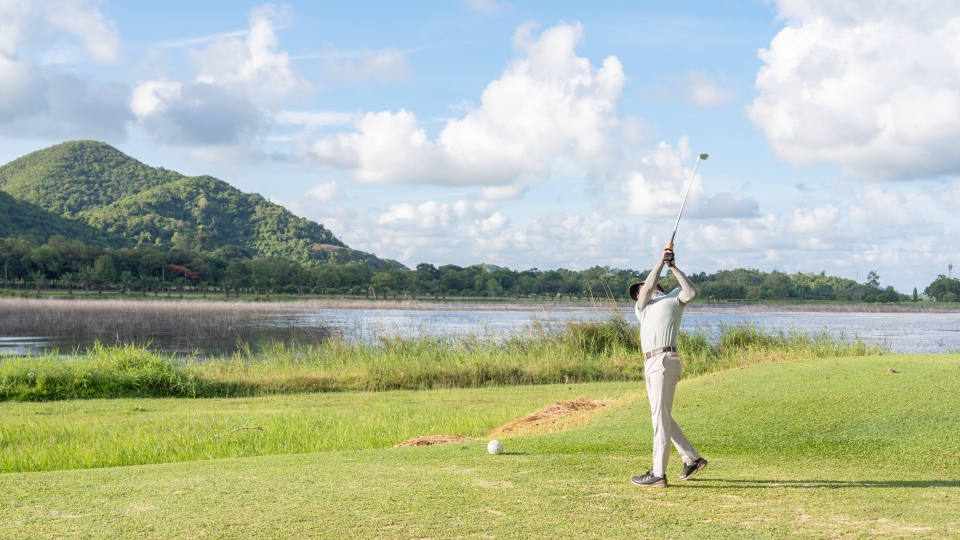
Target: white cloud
51, 103
23, 88
324, 193
817, 222
196, 113
221, 112
702, 90
366, 64
503, 193
546, 104
881, 213
255, 62
657, 185
871, 86
38, 22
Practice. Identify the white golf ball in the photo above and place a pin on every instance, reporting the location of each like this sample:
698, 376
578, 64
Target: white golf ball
495, 447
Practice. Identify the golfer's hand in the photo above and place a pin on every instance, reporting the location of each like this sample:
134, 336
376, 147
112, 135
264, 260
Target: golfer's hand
668, 257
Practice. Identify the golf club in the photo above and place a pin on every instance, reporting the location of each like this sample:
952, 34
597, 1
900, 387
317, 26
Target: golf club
689, 185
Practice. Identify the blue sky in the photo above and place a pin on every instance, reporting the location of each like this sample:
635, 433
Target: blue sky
530, 134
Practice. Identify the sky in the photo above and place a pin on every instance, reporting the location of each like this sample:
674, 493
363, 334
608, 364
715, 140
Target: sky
531, 134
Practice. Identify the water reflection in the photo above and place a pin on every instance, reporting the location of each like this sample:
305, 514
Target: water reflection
221, 331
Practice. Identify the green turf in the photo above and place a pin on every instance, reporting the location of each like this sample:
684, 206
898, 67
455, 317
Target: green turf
112, 432
836, 448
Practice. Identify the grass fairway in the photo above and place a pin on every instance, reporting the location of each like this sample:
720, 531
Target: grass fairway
835, 448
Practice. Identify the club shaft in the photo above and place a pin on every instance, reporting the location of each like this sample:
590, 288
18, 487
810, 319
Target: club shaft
682, 204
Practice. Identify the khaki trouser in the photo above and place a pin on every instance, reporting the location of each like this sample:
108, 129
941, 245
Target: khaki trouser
662, 373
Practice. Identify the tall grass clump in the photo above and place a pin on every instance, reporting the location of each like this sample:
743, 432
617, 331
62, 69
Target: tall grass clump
101, 371
606, 349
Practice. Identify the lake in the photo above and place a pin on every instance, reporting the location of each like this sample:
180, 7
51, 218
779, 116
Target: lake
928, 332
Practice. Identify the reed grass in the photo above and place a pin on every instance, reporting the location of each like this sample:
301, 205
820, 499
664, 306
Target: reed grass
605, 349
176, 325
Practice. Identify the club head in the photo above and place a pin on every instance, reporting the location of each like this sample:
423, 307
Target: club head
703, 156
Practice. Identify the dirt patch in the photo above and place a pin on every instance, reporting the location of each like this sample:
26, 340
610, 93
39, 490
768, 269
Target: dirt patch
435, 439
551, 414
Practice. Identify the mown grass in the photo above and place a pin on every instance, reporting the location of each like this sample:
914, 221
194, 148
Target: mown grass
828, 448
118, 432
575, 351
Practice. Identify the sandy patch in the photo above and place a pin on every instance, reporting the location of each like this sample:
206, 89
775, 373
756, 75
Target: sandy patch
564, 413
435, 439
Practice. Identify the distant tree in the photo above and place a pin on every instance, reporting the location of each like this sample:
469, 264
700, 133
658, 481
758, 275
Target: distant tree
941, 287
38, 279
85, 278
144, 283
915, 297
126, 280
301, 279
67, 279
180, 284
46, 260
384, 281
104, 271
225, 283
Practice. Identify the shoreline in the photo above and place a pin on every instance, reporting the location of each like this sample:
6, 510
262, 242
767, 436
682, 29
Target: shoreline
296, 304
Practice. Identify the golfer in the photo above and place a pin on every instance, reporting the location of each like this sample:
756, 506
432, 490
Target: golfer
659, 315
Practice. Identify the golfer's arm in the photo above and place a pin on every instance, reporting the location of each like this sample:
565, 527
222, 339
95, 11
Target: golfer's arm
689, 292
649, 285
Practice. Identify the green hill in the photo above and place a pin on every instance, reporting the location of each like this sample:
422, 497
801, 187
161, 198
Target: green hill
18, 218
119, 200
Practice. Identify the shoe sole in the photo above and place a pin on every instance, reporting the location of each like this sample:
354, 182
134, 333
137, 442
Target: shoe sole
698, 469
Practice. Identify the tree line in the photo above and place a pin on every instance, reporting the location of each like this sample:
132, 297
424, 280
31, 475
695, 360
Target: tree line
73, 265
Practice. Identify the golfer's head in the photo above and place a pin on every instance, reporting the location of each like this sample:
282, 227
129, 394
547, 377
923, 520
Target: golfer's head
636, 287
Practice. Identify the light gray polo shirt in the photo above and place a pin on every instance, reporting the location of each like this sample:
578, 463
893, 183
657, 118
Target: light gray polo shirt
660, 320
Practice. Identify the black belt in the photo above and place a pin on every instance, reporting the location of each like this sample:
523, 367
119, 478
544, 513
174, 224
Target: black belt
655, 352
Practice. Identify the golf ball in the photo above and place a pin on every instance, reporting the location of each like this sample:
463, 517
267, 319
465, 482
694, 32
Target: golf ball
495, 447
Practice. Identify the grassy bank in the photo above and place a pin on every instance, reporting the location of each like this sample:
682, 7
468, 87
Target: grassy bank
829, 448
576, 351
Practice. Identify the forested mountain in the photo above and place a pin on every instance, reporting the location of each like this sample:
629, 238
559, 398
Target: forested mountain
22, 218
125, 203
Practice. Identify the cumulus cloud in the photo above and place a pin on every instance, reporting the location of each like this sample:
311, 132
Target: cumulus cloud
881, 213
254, 63
871, 86
324, 193
657, 185
46, 102
195, 113
817, 222
548, 102
38, 22
702, 90
229, 103
23, 89
502, 193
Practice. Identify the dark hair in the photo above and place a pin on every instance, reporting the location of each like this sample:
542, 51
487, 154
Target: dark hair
635, 289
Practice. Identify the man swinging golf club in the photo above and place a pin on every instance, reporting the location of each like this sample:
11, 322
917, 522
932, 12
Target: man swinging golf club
660, 315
